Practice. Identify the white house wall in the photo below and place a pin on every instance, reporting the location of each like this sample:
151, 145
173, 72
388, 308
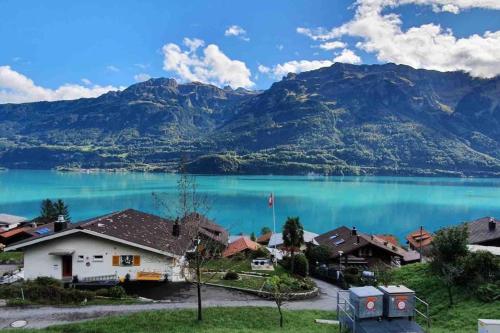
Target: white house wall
38, 261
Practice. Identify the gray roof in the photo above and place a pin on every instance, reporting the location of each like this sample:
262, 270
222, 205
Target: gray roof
479, 231
277, 238
136, 227
11, 219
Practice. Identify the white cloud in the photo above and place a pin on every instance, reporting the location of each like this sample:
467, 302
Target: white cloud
236, 31
348, 56
263, 69
210, 65
112, 68
142, 77
17, 88
86, 82
280, 47
296, 66
332, 45
427, 46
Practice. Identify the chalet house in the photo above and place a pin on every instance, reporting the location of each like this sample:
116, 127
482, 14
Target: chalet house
214, 238
15, 235
9, 222
352, 247
126, 244
484, 231
242, 245
264, 239
419, 239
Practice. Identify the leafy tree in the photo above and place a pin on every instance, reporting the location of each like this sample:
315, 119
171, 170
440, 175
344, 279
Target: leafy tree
318, 255
293, 237
279, 288
252, 237
265, 230
449, 247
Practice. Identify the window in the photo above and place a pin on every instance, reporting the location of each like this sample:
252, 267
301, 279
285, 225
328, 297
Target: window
126, 260
98, 258
80, 259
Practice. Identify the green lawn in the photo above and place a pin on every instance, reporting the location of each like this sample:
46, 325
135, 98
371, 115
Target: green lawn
462, 317
11, 257
216, 320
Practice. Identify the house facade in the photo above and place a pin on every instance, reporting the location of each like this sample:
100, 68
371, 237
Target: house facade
349, 247
127, 245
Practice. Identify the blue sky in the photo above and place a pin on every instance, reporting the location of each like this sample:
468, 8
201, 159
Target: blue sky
68, 49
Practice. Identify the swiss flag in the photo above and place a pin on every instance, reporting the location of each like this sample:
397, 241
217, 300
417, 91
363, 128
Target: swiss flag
270, 201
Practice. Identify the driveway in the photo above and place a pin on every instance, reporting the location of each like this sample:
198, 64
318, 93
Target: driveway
184, 298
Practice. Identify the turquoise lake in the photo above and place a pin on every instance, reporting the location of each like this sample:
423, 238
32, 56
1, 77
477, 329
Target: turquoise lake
394, 205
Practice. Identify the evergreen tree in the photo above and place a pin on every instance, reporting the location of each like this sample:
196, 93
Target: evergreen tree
61, 208
293, 237
47, 211
265, 230
252, 237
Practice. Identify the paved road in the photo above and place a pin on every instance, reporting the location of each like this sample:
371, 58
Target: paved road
212, 296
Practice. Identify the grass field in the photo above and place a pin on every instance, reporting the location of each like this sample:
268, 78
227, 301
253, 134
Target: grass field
462, 317
216, 320
11, 257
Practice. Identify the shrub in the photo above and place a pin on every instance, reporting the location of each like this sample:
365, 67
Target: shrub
45, 291
48, 281
261, 252
488, 292
231, 276
480, 267
301, 265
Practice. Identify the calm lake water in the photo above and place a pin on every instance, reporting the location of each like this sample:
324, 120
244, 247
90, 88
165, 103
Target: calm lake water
394, 205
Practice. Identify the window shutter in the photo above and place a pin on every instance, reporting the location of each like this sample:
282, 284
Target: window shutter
116, 260
137, 260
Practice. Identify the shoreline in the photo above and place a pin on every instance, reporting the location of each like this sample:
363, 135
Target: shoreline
367, 172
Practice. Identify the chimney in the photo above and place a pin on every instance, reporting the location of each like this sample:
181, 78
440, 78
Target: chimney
354, 232
60, 224
492, 224
176, 229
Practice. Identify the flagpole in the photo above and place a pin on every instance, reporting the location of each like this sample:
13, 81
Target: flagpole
274, 216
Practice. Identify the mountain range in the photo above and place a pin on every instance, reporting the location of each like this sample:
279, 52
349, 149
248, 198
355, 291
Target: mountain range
340, 120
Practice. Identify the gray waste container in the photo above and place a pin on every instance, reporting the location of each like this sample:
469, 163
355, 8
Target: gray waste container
367, 302
399, 301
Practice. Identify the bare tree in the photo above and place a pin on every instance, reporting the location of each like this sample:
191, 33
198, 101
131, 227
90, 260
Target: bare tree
188, 212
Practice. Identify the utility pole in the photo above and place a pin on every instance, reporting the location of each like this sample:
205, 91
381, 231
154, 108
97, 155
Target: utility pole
420, 245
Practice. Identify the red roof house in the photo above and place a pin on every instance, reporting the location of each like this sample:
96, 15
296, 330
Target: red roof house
241, 245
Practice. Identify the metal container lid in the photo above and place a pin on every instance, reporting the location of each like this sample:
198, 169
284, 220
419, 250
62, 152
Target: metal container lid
365, 291
396, 290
